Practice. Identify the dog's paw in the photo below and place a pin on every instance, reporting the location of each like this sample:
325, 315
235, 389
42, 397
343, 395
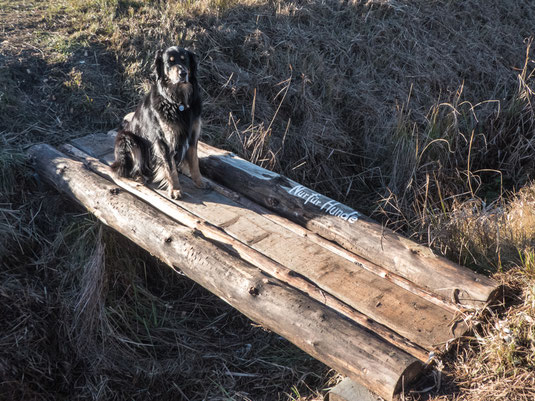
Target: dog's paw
140, 179
202, 183
175, 193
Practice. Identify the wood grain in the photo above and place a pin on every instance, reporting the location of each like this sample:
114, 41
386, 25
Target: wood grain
409, 315
358, 234
319, 331
271, 267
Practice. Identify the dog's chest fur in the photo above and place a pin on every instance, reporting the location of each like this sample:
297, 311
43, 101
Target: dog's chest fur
174, 129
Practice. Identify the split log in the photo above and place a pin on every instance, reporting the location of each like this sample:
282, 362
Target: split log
319, 331
404, 312
269, 266
338, 250
347, 227
101, 146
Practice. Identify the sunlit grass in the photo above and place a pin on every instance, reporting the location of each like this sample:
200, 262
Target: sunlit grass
417, 113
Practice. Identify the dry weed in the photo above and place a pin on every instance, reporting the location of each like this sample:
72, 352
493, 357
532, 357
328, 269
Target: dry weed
499, 362
419, 113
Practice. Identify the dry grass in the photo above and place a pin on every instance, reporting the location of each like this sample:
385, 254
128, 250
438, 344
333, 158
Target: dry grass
418, 113
96, 318
499, 363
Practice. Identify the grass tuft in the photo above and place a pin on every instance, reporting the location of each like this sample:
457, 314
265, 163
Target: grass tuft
417, 113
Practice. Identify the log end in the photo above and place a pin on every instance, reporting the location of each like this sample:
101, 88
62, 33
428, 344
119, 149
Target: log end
411, 373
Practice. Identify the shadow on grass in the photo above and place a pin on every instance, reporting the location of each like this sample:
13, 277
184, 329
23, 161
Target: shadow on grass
328, 82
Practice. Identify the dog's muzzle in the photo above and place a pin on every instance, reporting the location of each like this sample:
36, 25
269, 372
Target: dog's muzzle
178, 74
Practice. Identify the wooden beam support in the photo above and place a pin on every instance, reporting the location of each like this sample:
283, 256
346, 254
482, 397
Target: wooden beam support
269, 266
318, 330
353, 231
310, 259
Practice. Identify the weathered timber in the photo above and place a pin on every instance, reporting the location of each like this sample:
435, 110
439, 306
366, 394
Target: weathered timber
319, 331
411, 316
271, 267
101, 147
350, 229
337, 249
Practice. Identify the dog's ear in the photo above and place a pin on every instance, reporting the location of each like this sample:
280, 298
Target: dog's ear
158, 65
192, 64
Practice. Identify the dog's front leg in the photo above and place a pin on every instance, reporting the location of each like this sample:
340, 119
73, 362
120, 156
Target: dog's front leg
174, 190
193, 160
193, 164
169, 169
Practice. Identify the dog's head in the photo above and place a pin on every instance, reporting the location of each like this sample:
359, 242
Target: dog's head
175, 65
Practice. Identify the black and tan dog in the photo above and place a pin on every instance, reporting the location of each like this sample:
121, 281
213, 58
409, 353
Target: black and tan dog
164, 130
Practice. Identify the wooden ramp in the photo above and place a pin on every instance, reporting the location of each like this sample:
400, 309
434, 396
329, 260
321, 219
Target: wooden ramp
360, 298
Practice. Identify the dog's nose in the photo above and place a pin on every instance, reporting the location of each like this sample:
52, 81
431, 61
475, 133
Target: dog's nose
183, 73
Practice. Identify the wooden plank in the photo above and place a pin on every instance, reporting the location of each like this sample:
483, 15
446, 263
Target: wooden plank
104, 152
350, 229
99, 145
337, 249
341, 344
169, 208
407, 314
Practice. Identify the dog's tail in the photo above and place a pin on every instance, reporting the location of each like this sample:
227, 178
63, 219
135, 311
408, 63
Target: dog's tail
128, 155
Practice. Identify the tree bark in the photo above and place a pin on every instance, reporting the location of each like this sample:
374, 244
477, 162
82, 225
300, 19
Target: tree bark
267, 265
353, 231
319, 331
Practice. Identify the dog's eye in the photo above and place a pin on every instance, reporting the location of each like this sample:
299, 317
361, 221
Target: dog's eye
171, 58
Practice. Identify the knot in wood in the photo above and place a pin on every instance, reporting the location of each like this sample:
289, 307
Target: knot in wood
272, 201
168, 240
60, 169
254, 291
